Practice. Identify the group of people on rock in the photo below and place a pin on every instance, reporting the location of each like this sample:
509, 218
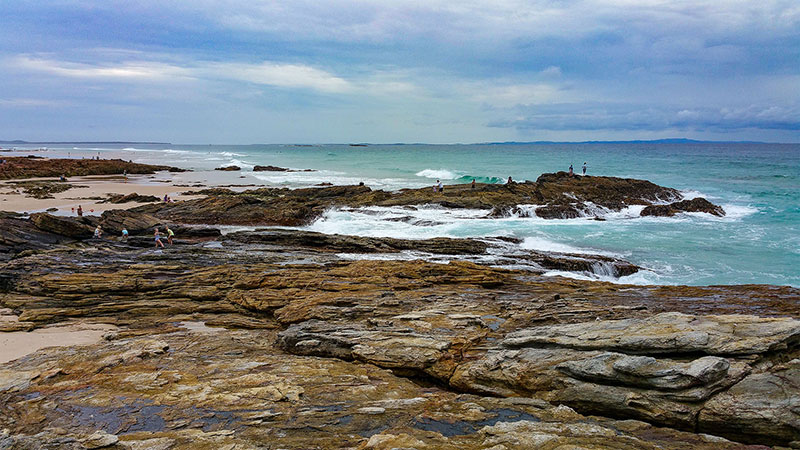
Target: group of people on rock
584, 169
98, 234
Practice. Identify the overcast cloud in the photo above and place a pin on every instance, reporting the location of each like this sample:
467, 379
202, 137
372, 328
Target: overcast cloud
246, 71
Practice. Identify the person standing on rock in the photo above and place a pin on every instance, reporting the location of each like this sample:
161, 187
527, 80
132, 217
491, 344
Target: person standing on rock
170, 235
584, 167
473, 184
98, 232
440, 186
80, 211
157, 236
570, 170
124, 234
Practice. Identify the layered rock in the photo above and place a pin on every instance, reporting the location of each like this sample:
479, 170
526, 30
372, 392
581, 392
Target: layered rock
71, 227
199, 387
670, 386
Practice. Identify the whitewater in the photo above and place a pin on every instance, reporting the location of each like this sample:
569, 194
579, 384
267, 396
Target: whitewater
758, 185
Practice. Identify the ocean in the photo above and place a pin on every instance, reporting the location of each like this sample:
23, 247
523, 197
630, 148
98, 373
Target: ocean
758, 185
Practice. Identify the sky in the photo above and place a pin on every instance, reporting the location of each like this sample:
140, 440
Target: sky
297, 71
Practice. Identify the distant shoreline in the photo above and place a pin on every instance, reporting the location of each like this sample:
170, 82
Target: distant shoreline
366, 144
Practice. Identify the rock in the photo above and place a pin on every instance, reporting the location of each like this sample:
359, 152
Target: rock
229, 168
269, 169
558, 212
43, 189
669, 333
358, 244
114, 220
21, 167
100, 439
267, 206
561, 196
18, 235
149, 444
698, 204
762, 408
76, 228
132, 197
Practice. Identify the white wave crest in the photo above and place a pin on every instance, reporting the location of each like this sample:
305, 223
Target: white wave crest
438, 174
546, 245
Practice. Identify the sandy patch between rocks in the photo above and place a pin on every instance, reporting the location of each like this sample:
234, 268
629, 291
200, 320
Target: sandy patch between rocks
17, 344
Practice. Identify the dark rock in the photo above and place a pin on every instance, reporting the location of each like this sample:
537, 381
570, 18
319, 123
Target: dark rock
76, 228
113, 221
269, 169
229, 168
698, 204
18, 167
132, 197
558, 212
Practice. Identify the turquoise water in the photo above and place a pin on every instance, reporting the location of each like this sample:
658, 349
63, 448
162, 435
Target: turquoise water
757, 184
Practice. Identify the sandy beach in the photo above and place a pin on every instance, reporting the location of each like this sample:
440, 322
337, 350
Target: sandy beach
89, 192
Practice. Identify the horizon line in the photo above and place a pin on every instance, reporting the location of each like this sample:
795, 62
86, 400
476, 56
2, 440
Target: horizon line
361, 144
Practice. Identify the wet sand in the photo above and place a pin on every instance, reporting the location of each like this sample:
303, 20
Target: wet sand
88, 192
16, 344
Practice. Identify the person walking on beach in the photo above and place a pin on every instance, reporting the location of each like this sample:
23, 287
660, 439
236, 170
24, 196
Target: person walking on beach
170, 235
125, 175
80, 211
157, 237
584, 167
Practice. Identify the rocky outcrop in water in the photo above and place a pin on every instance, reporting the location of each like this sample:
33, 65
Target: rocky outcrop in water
698, 204
22, 167
278, 169
229, 168
559, 196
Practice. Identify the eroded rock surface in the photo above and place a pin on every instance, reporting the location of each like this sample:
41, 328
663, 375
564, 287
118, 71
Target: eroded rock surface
286, 337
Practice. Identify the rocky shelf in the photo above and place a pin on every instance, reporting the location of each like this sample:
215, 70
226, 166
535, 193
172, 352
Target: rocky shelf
272, 337
37, 167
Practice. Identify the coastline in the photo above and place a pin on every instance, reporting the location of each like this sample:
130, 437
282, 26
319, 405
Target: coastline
364, 339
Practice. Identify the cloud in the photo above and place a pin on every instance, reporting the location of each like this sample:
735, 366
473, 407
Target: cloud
264, 73
276, 74
630, 117
126, 70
